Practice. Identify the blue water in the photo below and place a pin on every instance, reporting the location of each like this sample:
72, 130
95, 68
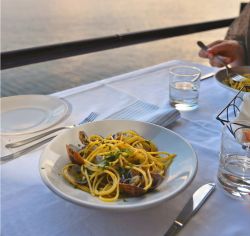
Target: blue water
29, 23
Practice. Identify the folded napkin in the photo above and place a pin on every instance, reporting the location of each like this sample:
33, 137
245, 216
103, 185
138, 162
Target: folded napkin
147, 112
244, 113
241, 133
164, 117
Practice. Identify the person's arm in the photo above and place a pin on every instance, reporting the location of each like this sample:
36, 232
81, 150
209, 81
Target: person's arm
235, 48
239, 31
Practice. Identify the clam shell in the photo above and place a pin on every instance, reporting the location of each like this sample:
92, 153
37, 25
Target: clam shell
131, 190
74, 155
157, 179
83, 137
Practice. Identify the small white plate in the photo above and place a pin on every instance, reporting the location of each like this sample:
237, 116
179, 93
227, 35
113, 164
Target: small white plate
180, 173
24, 114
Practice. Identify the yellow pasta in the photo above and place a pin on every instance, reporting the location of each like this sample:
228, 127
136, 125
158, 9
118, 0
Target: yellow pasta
122, 164
239, 85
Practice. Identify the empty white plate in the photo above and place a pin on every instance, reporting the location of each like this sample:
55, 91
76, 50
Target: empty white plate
30, 113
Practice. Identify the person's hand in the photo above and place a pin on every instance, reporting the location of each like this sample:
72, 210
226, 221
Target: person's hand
230, 51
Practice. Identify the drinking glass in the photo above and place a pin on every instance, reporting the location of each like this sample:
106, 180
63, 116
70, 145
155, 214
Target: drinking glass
234, 166
184, 84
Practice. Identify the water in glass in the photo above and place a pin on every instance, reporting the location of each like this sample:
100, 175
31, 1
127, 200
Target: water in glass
184, 83
184, 95
234, 167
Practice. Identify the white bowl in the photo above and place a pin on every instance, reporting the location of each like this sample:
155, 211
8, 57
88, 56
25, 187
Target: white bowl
180, 173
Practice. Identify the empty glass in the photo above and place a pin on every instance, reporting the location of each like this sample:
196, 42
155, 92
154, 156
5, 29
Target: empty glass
234, 167
184, 84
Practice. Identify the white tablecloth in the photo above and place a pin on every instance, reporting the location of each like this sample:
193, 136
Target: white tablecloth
29, 208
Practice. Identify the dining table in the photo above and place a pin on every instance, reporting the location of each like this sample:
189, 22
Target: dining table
30, 208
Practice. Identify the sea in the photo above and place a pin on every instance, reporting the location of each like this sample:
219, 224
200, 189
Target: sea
31, 23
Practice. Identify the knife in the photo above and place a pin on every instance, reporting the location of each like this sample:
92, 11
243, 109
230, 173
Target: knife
191, 207
10, 157
207, 76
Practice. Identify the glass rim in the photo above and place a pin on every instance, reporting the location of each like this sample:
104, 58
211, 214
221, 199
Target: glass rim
196, 69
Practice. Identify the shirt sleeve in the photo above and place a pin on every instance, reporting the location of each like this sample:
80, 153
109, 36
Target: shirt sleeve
240, 30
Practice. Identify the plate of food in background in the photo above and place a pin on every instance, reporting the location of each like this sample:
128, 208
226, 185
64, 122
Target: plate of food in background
118, 165
228, 82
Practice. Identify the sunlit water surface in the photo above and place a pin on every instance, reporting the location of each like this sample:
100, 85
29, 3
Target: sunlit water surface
30, 23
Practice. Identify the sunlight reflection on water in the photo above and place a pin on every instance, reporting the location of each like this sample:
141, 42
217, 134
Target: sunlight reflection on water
31, 23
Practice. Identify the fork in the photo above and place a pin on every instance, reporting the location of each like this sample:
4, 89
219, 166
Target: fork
91, 117
237, 77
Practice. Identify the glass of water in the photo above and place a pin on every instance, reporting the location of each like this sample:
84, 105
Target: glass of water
234, 167
184, 84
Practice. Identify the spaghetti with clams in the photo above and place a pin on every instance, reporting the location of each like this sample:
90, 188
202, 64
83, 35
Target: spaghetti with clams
122, 164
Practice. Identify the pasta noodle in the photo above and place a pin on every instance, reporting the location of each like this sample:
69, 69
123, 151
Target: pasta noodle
239, 85
123, 164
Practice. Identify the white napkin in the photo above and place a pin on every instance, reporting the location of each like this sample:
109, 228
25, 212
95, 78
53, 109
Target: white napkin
143, 111
244, 113
164, 117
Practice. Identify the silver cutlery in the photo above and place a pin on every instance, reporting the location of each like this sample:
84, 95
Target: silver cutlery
207, 76
92, 116
191, 207
237, 77
15, 155
203, 77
